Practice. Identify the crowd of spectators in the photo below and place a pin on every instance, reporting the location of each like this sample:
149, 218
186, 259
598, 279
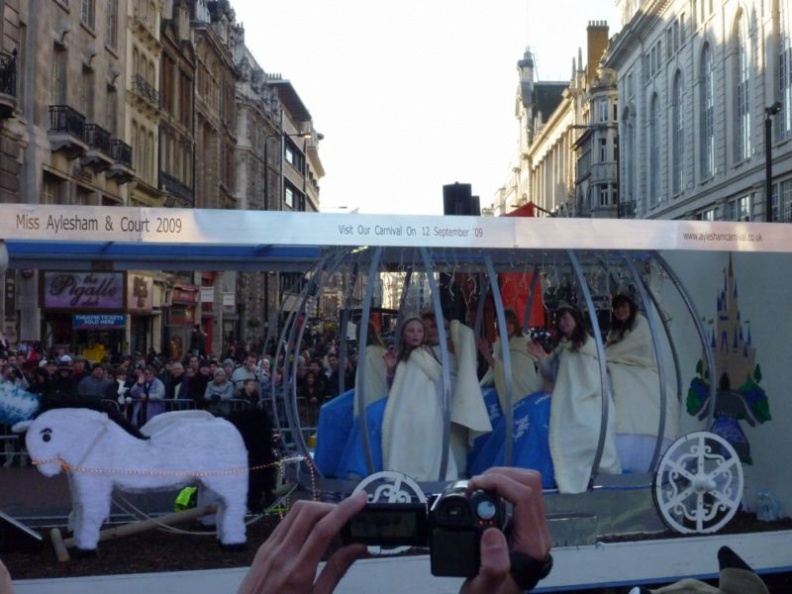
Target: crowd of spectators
142, 384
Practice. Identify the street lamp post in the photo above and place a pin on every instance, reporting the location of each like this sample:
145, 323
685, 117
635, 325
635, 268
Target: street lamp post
771, 111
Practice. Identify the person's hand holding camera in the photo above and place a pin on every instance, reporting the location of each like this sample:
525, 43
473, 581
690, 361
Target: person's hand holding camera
287, 562
527, 557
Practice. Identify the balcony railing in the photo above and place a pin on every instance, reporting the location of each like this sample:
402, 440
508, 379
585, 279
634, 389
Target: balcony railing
145, 90
626, 209
183, 194
8, 69
64, 119
98, 138
121, 152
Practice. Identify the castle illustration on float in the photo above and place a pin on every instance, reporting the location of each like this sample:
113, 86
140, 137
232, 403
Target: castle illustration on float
739, 397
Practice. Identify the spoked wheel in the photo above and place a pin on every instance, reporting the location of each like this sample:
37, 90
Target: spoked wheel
699, 483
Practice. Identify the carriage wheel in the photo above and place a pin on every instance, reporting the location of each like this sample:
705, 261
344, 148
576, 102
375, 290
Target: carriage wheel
390, 487
699, 483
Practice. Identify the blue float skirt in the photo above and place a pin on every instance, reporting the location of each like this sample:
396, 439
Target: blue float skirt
530, 433
332, 433
352, 463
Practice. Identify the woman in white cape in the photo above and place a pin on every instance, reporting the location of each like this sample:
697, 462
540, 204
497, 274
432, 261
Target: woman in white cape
636, 387
576, 405
412, 429
525, 379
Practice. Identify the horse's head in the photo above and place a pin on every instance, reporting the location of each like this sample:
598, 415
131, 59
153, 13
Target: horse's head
66, 434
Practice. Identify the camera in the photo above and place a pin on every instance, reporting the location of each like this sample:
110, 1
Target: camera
450, 524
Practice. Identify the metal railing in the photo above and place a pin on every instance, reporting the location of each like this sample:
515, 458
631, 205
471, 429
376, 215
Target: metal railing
178, 189
141, 86
8, 69
68, 120
98, 138
121, 152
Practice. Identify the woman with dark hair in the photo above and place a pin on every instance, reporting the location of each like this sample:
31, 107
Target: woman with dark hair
636, 387
576, 404
412, 429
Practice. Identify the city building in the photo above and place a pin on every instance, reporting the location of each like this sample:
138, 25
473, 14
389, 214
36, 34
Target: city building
568, 146
705, 101
134, 103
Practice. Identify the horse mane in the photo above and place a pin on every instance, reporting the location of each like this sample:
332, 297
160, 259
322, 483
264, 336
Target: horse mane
115, 415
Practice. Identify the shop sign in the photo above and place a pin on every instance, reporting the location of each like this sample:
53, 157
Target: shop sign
229, 301
185, 294
140, 294
83, 290
98, 322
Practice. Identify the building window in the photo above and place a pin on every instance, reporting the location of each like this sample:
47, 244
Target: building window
707, 115
112, 111
742, 132
629, 158
288, 195
604, 198
602, 110
784, 122
112, 24
58, 80
784, 214
603, 150
654, 153
677, 135
744, 208
52, 190
87, 94
88, 12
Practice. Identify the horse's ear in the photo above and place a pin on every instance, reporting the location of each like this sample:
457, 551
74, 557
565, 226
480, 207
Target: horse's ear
21, 427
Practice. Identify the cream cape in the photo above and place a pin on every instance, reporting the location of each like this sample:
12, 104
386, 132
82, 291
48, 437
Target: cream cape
636, 385
412, 427
575, 417
374, 384
525, 379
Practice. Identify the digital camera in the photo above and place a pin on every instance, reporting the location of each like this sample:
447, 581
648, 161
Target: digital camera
450, 524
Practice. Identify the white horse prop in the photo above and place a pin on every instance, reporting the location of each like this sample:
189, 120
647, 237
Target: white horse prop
173, 450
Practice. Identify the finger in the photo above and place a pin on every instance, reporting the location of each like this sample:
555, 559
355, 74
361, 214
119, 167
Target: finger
531, 533
495, 564
328, 527
337, 566
301, 518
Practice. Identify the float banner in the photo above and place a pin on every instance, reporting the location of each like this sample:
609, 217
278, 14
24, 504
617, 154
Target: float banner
83, 290
98, 322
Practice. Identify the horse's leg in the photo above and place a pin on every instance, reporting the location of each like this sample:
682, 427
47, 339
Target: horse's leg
93, 497
231, 509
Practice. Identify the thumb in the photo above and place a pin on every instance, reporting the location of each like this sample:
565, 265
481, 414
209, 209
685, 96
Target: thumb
495, 564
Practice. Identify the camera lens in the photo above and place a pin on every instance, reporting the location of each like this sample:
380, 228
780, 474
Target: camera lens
486, 510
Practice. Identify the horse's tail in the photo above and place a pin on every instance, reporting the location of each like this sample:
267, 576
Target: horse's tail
255, 426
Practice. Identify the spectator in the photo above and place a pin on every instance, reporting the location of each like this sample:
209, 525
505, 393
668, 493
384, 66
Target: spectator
197, 385
147, 393
95, 385
219, 388
172, 379
243, 373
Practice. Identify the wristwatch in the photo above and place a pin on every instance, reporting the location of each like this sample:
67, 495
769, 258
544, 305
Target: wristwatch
527, 571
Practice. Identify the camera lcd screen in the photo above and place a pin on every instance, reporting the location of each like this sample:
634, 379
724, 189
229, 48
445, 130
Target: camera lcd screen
388, 524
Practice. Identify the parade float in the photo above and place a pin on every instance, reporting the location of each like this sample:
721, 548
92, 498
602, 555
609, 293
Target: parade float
713, 294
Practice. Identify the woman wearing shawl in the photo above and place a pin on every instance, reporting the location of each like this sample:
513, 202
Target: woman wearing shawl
412, 428
576, 404
636, 387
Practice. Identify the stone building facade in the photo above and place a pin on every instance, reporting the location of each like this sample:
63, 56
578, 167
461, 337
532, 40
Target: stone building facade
699, 81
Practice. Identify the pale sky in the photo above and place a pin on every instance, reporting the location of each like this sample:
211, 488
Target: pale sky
414, 94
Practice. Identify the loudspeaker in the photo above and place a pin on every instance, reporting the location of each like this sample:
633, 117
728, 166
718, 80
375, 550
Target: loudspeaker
16, 537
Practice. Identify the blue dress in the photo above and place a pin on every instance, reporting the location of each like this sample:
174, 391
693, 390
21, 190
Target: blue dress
530, 434
353, 458
332, 433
